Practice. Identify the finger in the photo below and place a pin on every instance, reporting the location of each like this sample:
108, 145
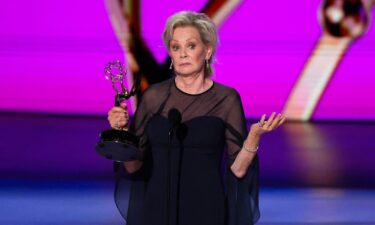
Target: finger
123, 121
281, 121
112, 111
119, 124
263, 118
125, 115
111, 116
118, 109
270, 120
114, 125
123, 105
276, 121
124, 111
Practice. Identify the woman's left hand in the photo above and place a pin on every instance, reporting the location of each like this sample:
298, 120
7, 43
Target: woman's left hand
263, 126
250, 146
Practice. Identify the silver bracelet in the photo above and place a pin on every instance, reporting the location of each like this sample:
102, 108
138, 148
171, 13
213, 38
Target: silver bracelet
250, 150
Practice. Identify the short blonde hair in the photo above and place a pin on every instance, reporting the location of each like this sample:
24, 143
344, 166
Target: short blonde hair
204, 25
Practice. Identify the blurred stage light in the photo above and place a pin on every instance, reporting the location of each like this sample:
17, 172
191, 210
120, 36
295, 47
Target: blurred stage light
342, 21
344, 18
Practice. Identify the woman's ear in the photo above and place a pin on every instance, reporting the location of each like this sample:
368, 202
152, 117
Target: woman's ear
208, 52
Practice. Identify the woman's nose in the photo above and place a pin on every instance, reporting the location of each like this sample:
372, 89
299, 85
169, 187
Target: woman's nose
183, 53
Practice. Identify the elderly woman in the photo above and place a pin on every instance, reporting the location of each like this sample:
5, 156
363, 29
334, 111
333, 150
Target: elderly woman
199, 163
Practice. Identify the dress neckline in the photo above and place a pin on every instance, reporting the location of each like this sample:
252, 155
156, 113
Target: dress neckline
181, 91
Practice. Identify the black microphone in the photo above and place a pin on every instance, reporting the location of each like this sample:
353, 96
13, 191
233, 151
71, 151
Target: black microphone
174, 117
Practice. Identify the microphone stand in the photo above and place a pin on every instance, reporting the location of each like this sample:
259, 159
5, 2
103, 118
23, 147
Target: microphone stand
170, 134
174, 117
181, 134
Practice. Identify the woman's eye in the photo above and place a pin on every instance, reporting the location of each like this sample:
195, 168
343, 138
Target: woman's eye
175, 47
191, 46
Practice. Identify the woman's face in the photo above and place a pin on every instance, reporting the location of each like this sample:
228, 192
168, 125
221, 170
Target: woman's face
188, 52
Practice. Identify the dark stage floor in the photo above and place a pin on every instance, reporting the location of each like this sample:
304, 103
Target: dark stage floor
91, 203
311, 173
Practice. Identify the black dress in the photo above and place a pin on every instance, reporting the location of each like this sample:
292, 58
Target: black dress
185, 178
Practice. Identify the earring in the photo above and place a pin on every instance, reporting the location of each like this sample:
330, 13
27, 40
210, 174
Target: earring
171, 66
207, 64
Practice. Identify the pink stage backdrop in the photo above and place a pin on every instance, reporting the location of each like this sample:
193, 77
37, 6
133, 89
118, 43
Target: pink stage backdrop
52, 56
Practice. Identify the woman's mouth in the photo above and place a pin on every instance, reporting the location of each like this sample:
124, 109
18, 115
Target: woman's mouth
184, 64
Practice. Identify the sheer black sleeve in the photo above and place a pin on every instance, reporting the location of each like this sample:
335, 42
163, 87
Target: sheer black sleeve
130, 188
236, 132
127, 186
141, 116
243, 204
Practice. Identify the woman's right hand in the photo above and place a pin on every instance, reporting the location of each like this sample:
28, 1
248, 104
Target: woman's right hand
118, 117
